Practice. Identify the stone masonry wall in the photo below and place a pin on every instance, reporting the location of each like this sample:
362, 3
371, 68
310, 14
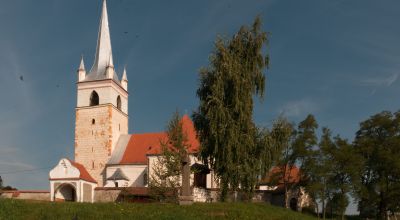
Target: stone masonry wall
109, 195
119, 125
28, 195
93, 141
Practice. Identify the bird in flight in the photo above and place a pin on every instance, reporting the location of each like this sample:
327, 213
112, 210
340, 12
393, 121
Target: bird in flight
21, 78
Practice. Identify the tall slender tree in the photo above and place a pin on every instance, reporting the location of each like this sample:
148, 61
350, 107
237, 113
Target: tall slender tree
224, 119
282, 136
304, 143
345, 163
317, 171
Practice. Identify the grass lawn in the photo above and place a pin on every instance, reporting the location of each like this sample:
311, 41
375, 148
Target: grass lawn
17, 209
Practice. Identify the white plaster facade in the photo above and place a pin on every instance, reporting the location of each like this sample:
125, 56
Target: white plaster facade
108, 91
67, 183
136, 174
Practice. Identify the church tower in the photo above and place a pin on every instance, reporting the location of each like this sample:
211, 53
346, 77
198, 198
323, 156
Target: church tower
102, 107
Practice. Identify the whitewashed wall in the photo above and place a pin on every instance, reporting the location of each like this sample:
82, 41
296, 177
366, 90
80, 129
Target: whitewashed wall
135, 174
107, 90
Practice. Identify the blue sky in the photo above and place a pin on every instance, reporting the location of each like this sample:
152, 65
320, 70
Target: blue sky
336, 59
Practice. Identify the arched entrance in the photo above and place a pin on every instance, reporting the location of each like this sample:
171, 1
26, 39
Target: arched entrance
65, 192
293, 204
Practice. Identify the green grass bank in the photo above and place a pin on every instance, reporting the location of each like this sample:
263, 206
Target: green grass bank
18, 209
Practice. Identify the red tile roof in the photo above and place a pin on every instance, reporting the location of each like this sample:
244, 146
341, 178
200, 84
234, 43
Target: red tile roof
276, 176
141, 145
84, 175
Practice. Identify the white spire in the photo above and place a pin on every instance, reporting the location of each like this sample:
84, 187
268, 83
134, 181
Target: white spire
124, 77
103, 55
124, 80
81, 71
110, 62
82, 64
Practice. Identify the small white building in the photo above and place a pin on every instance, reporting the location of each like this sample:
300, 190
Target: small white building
69, 181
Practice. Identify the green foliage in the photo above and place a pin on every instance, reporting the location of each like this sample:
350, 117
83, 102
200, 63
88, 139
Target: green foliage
165, 179
337, 205
377, 142
282, 136
17, 209
317, 170
328, 169
345, 169
306, 139
294, 147
223, 119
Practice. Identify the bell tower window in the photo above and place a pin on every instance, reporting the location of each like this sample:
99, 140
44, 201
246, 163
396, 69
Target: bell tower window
94, 99
119, 103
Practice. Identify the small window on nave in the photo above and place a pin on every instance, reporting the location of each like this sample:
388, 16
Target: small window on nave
119, 103
94, 99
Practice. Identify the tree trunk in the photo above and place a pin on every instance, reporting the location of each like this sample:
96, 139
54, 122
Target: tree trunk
323, 209
316, 206
382, 208
224, 190
286, 196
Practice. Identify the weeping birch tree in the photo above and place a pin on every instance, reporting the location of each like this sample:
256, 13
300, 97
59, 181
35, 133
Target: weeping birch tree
224, 118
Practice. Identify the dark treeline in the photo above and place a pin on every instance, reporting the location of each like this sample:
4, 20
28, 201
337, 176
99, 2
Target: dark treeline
5, 188
332, 168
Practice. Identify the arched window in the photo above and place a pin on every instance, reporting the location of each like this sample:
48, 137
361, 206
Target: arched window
119, 103
94, 99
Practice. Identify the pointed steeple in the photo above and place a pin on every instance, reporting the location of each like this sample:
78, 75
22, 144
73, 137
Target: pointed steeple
124, 80
82, 64
81, 71
103, 55
110, 62
110, 69
124, 77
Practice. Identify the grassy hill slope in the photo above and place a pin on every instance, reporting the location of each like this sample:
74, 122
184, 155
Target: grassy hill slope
16, 209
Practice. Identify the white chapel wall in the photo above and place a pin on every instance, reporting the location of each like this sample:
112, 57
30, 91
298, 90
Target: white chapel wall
135, 174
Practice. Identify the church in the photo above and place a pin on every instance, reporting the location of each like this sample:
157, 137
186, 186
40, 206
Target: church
106, 155
107, 159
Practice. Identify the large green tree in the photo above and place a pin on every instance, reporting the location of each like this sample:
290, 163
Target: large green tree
224, 118
378, 142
